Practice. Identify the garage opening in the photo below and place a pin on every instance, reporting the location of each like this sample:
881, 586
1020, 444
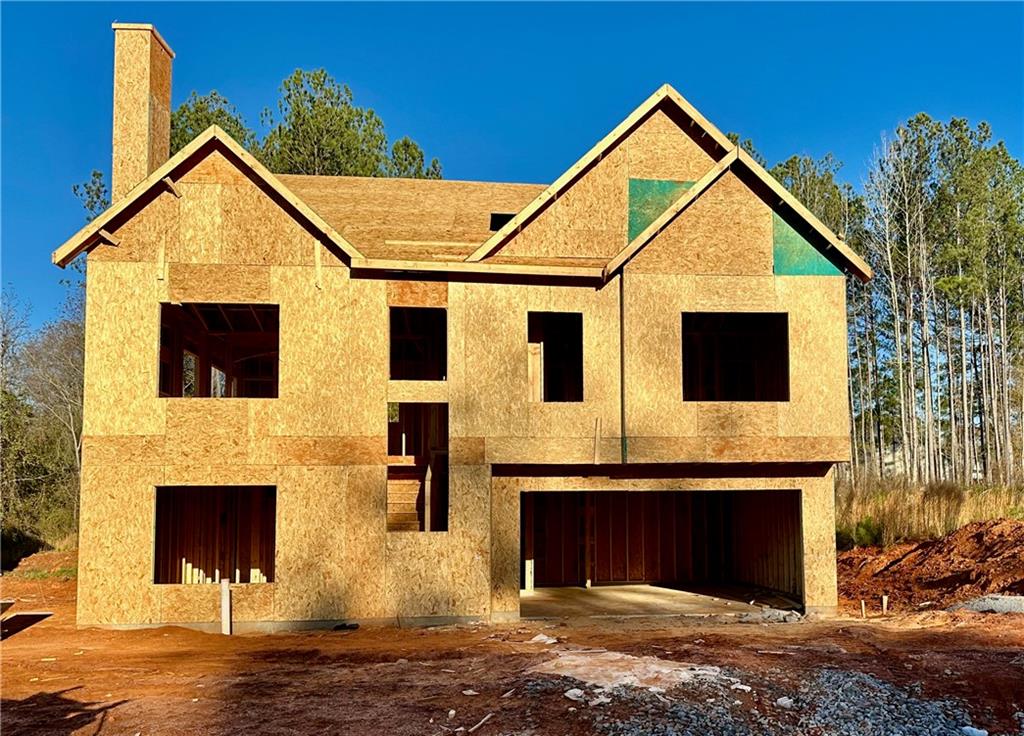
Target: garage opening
586, 552
207, 533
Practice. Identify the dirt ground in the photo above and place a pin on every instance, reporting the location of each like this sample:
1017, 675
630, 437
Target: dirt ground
980, 558
57, 679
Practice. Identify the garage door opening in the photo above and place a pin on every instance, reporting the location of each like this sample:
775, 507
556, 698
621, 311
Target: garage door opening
658, 552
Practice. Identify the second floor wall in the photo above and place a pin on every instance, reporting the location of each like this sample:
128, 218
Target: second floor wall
224, 241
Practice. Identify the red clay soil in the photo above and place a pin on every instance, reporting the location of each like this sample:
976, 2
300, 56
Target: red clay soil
980, 558
58, 679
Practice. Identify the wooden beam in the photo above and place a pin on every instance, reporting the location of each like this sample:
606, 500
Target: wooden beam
171, 187
108, 238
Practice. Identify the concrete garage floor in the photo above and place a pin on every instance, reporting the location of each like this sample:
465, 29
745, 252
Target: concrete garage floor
631, 600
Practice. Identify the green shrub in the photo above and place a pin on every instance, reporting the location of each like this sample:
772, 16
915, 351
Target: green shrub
867, 533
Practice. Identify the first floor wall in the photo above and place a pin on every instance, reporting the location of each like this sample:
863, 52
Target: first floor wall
335, 560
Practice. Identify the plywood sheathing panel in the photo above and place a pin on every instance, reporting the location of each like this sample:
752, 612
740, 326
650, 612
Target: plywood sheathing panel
330, 450
116, 544
417, 293
133, 449
660, 149
311, 577
225, 218
819, 542
333, 346
794, 255
817, 411
143, 237
213, 169
142, 98
365, 535
418, 391
817, 355
740, 418
445, 573
466, 450
122, 339
588, 221
495, 401
220, 475
410, 218
214, 283
652, 449
726, 231
223, 439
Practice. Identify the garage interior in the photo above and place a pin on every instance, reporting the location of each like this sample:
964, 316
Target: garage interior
650, 552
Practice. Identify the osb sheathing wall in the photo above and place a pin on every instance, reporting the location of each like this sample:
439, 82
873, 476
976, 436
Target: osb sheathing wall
816, 519
142, 104
717, 257
322, 443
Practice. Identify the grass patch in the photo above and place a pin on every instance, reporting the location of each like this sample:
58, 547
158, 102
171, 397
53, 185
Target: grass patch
60, 573
883, 513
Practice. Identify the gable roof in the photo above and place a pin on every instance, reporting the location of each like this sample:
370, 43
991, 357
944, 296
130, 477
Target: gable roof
665, 97
95, 232
728, 157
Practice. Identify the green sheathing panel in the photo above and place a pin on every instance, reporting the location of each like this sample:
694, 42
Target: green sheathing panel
794, 256
648, 198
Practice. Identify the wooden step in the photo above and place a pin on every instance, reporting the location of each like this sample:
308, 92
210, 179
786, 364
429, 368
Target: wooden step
403, 496
403, 526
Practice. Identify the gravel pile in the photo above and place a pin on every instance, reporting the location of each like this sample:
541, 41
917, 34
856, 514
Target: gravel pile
832, 703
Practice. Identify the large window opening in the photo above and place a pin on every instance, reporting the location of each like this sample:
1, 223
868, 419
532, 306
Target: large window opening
419, 344
205, 534
219, 350
417, 467
555, 345
735, 356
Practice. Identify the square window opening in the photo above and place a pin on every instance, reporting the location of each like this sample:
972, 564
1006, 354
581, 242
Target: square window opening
555, 354
417, 467
735, 356
419, 344
500, 219
205, 534
219, 350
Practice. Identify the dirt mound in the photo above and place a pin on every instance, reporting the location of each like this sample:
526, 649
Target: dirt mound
62, 564
982, 557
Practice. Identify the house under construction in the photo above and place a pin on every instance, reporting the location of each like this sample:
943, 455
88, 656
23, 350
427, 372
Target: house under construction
365, 398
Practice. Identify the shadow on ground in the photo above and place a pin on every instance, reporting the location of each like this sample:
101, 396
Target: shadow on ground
53, 714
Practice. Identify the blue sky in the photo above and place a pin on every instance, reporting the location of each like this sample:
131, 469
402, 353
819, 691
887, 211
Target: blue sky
495, 91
